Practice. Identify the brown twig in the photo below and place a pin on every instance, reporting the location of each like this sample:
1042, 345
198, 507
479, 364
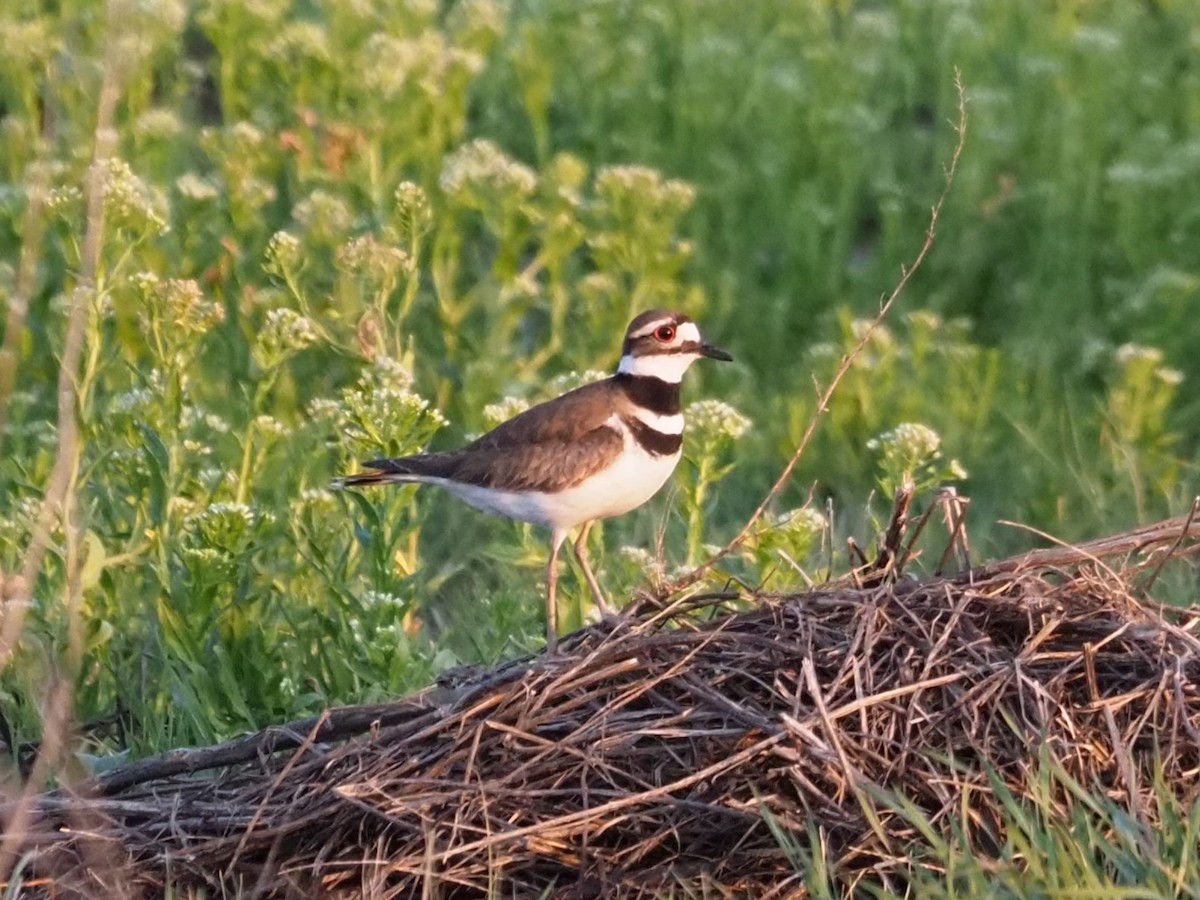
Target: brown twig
955, 509
1135, 540
1170, 552
331, 725
885, 564
305, 746
914, 535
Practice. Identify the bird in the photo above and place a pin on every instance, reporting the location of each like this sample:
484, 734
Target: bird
598, 451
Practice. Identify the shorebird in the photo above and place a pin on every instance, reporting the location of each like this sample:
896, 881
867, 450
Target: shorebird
597, 451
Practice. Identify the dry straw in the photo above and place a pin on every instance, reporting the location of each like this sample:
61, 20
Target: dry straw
670, 749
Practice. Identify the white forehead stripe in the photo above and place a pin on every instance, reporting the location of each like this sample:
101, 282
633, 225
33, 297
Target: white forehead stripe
684, 331
652, 327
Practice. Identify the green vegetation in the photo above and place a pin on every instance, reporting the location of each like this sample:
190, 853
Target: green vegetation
333, 231
1059, 840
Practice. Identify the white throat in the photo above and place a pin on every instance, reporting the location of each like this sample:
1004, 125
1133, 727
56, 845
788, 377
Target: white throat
667, 367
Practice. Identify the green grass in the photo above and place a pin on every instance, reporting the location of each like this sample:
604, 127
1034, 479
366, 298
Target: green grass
347, 229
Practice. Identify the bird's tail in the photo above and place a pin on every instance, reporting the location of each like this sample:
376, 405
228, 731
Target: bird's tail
366, 479
392, 471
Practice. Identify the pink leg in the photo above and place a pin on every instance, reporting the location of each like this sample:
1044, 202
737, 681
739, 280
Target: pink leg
582, 555
556, 539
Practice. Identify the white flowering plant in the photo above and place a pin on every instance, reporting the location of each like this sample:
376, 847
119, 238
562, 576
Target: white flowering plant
910, 456
713, 428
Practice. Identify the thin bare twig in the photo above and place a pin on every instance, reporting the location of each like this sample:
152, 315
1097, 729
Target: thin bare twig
847, 362
1167, 556
910, 548
305, 746
954, 508
1064, 554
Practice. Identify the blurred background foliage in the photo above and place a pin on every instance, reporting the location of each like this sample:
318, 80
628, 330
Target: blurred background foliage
338, 230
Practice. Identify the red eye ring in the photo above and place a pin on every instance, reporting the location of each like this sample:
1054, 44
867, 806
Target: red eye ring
665, 333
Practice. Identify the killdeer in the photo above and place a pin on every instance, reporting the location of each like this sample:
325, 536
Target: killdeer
591, 453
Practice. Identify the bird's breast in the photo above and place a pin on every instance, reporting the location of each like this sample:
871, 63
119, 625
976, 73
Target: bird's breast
633, 478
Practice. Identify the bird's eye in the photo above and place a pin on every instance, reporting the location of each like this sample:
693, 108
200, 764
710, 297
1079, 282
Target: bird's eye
665, 333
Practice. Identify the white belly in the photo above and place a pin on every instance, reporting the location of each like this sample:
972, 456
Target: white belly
633, 479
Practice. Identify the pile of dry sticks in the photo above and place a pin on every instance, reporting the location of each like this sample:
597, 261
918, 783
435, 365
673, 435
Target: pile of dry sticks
677, 746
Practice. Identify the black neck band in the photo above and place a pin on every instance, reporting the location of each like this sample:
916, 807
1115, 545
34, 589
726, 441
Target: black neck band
650, 393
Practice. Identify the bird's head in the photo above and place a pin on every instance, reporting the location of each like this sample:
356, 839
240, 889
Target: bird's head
662, 344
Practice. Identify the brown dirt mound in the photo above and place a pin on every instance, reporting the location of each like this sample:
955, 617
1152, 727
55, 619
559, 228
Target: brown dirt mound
664, 750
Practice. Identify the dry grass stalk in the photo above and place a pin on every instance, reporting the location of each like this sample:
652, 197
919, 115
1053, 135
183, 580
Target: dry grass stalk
645, 755
58, 498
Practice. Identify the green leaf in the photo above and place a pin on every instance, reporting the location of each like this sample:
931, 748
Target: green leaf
93, 566
160, 470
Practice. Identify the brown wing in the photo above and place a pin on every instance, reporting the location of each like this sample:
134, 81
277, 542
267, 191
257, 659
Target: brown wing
550, 446
558, 461
561, 420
